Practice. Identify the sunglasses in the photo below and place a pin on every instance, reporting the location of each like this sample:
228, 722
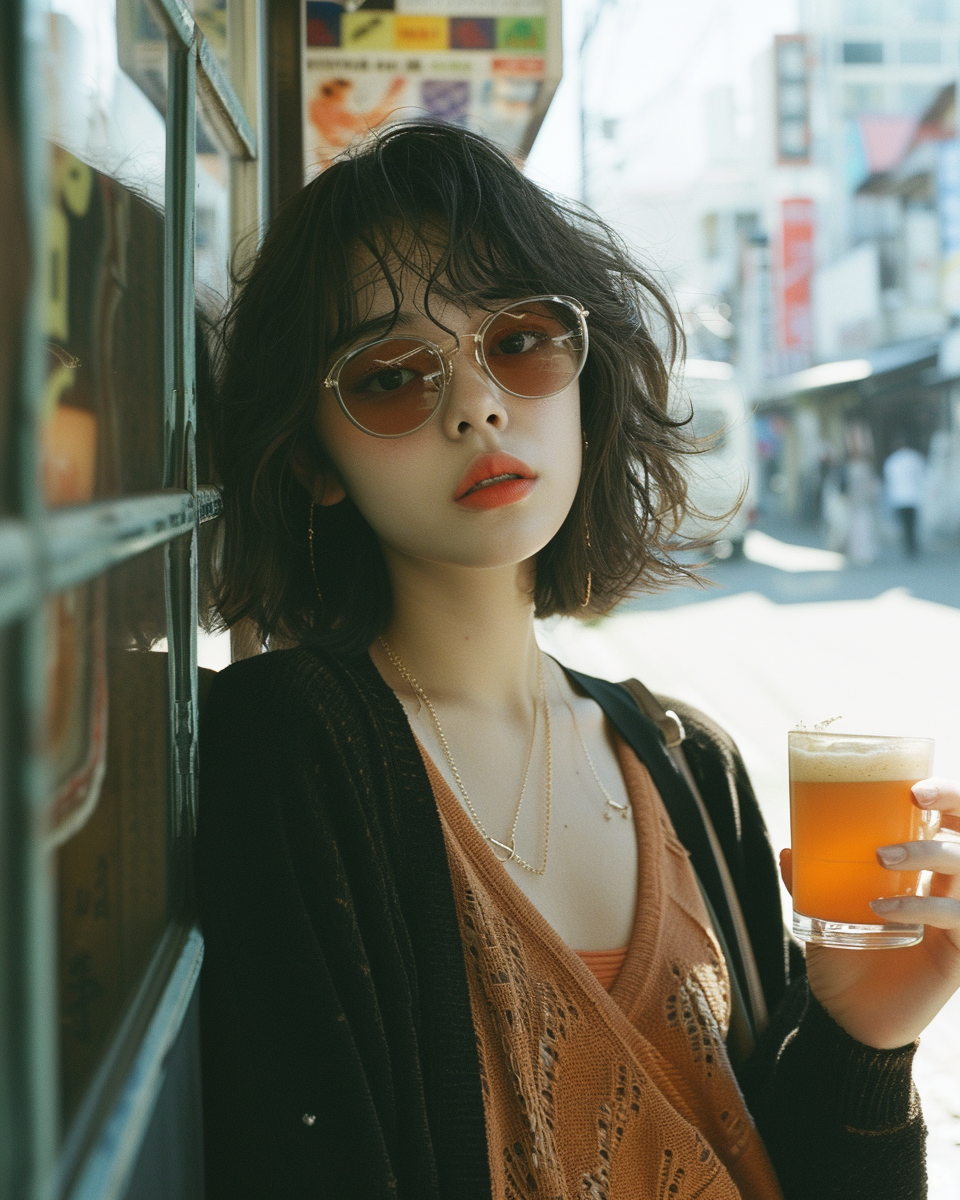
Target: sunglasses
395, 385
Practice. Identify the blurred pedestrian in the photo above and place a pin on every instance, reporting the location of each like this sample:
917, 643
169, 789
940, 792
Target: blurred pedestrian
835, 507
861, 496
904, 472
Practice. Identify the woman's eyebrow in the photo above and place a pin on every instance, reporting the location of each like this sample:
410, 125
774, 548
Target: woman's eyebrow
373, 325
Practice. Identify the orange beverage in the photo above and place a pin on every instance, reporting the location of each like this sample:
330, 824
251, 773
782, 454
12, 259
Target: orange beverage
850, 794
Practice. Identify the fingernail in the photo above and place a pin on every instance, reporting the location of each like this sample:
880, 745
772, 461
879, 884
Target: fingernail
889, 855
884, 906
926, 795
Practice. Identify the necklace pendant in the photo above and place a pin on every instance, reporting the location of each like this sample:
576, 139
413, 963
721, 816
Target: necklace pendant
607, 814
622, 809
511, 850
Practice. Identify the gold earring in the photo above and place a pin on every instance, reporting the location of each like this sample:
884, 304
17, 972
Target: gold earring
586, 600
313, 565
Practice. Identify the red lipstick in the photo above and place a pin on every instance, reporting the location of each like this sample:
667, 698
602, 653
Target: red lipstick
494, 480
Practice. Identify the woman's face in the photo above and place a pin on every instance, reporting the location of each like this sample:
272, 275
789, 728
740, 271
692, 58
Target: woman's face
411, 489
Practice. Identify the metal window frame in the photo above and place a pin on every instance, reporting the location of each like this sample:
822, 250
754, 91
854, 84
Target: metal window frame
43, 552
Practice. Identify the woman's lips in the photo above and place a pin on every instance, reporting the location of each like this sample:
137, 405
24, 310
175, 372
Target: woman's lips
497, 494
493, 480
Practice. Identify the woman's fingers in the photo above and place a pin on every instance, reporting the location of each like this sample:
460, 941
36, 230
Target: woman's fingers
942, 857
786, 869
942, 912
942, 795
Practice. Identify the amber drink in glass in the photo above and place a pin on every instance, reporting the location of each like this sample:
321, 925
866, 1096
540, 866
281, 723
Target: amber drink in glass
850, 794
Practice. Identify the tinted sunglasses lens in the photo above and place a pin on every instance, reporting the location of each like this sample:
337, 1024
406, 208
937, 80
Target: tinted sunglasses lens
391, 387
534, 349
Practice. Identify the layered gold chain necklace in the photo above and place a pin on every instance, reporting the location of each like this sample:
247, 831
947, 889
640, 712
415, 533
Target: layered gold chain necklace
508, 848
610, 806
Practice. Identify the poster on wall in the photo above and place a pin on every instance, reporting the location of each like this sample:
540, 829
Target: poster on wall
487, 65
794, 327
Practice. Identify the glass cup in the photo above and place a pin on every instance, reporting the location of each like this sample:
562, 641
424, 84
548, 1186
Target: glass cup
850, 794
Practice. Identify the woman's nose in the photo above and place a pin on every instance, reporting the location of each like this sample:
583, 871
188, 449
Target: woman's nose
473, 400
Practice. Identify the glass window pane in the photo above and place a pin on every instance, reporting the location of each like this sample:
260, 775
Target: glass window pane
212, 17
108, 750
229, 28
102, 415
212, 220
107, 89
102, 418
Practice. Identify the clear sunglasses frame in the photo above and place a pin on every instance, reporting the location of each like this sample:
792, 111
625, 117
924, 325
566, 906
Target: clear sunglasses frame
445, 356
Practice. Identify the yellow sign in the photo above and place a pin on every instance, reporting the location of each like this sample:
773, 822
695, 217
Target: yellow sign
421, 33
367, 30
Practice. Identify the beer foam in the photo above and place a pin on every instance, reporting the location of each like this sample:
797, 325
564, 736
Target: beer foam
825, 758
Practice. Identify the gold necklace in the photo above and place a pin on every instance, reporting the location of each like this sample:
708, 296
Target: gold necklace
510, 848
611, 805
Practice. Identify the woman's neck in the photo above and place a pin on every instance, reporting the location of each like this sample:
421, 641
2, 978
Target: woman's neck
465, 633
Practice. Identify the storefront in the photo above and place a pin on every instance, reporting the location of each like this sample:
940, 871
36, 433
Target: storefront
143, 144
859, 408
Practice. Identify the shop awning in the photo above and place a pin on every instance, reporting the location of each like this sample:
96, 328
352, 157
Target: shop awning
845, 373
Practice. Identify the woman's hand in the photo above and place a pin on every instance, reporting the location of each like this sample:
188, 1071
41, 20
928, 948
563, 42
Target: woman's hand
886, 998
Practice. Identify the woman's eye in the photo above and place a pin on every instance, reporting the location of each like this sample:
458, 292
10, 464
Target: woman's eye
519, 341
387, 380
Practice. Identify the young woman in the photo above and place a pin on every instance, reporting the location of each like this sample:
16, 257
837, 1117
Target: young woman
455, 948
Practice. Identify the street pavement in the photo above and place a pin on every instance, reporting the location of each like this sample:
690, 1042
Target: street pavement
770, 646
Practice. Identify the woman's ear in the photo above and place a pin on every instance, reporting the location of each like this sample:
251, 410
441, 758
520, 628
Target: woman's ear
320, 483
327, 490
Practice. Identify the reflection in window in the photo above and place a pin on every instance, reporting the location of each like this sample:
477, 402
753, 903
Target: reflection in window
142, 50
96, 110
108, 751
212, 220
863, 52
920, 52
103, 311
211, 16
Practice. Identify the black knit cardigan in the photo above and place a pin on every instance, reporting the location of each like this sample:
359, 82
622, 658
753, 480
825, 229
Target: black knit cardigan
338, 1052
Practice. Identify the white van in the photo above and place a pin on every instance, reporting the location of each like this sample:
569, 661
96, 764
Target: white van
728, 466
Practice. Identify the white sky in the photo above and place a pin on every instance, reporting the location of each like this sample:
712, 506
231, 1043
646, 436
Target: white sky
649, 66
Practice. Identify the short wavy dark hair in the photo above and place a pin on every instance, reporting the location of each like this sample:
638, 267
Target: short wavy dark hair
451, 207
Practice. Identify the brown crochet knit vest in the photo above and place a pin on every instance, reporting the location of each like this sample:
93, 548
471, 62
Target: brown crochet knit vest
590, 1095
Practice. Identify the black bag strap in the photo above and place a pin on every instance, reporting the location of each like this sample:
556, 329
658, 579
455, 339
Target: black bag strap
655, 738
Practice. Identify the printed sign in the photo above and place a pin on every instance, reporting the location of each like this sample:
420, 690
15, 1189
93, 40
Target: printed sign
791, 60
495, 8
421, 33
521, 33
473, 33
489, 66
796, 268
367, 30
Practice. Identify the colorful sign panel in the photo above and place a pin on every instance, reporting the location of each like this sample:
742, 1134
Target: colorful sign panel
794, 333
489, 65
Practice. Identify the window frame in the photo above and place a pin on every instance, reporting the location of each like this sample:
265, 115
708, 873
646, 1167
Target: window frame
43, 551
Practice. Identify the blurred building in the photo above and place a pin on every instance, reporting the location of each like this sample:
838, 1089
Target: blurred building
820, 251
863, 123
